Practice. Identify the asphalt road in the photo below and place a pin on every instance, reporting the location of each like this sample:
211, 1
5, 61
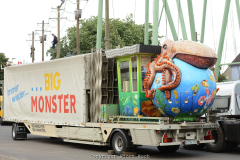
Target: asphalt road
44, 148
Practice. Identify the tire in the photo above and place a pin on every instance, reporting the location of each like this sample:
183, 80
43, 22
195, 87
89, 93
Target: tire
235, 144
220, 144
168, 149
14, 133
194, 147
55, 138
1, 121
119, 144
201, 146
229, 146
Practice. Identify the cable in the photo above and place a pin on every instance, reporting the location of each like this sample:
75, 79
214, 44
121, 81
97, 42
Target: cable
85, 6
68, 12
71, 20
51, 26
63, 12
72, 2
63, 26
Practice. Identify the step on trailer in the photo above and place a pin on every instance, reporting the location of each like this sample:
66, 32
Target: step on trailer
76, 98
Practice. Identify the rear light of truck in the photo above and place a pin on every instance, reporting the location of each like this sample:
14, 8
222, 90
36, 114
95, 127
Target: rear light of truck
167, 139
208, 136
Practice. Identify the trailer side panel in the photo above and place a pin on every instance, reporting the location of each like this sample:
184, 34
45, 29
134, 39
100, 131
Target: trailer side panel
51, 92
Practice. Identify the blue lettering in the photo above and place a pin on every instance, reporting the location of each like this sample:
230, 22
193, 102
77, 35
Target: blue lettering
19, 96
13, 99
12, 90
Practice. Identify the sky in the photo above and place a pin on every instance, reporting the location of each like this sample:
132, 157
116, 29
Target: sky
18, 19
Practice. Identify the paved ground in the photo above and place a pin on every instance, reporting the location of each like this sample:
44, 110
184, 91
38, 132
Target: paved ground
44, 148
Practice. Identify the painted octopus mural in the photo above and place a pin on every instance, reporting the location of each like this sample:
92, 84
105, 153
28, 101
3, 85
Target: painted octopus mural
180, 82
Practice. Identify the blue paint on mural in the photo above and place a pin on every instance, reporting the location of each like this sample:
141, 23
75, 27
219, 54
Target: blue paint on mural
193, 96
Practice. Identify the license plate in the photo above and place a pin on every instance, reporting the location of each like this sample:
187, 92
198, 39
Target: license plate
190, 142
209, 126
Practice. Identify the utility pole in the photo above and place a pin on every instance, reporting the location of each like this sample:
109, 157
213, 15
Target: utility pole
32, 47
43, 38
99, 25
107, 35
58, 46
78, 6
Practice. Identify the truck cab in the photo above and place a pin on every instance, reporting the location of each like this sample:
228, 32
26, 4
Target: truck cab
226, 112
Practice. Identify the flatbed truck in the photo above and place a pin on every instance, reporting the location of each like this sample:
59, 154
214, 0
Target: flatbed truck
76, 98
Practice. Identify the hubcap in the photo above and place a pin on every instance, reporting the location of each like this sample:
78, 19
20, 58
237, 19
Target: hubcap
119, 143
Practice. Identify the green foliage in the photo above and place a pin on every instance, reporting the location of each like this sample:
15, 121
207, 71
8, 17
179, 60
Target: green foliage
3, 61
222, 78
127, 33
185, 117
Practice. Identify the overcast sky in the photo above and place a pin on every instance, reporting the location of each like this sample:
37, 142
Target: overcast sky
20, 17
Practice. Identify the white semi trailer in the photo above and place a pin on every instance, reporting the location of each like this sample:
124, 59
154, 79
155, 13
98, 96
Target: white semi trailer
76, 98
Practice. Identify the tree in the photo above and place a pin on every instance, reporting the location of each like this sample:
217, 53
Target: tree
221, 77
3, 61
122, 32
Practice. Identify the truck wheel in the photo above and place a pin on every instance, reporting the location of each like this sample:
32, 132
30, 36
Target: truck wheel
119, 144
220, 143
229, 146
168, 149
194, 147
1, 121
19, 131
14, 132
235, 144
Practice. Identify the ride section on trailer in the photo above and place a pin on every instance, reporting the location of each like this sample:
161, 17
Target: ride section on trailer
177, 84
